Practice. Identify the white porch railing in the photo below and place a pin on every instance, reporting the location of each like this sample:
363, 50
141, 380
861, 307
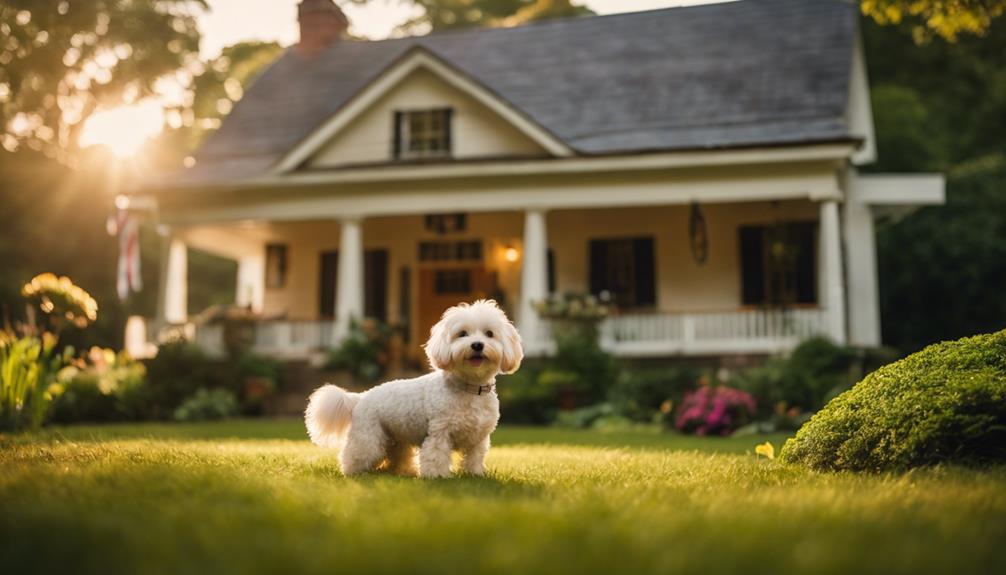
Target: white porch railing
745, 331
628, 335
276, 338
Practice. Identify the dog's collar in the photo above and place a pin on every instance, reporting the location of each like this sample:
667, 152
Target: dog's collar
472, 388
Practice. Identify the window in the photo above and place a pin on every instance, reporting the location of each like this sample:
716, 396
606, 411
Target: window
455, 281
275, 265
446, 223
470, 251
422, 133
626, 269
778, 264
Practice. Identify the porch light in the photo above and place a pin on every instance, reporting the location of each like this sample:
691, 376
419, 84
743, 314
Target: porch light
511, 254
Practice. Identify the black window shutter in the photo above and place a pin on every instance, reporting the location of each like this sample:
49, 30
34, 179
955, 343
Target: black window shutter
375, 272
752, 252
806, 260
326, 283
551, 271
598, 266
396, 149
646, 273
448, 116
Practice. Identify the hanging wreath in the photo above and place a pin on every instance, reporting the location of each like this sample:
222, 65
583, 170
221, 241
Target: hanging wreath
697, 235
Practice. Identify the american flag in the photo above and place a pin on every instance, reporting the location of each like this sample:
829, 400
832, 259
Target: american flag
126, 227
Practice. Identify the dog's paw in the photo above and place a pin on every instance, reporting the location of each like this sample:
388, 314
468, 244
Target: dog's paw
434, 473
475, 470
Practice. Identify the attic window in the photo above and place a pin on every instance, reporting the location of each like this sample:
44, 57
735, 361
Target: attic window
423, 133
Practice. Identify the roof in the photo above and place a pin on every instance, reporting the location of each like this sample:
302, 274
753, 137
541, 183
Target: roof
735, 74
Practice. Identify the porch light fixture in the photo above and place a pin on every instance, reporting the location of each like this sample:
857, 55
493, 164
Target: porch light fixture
511, 254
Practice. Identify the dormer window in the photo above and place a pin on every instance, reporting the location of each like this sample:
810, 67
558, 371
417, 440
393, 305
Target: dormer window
423, 134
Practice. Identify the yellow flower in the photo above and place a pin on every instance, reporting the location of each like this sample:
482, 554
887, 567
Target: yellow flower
766, 450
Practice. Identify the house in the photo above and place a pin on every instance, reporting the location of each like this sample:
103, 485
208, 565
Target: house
700, 165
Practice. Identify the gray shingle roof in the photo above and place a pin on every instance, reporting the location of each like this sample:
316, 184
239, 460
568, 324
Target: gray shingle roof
752, 72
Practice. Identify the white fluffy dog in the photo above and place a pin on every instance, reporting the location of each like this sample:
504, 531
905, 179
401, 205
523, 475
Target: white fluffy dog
452, 408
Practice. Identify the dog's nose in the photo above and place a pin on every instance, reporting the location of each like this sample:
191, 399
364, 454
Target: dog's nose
478, 345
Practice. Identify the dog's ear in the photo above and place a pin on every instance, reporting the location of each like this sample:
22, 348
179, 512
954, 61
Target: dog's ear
513, 348
438, 347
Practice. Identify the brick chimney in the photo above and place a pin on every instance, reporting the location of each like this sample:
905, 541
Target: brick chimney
322, 24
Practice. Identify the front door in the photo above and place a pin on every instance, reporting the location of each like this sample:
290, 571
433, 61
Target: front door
443, 287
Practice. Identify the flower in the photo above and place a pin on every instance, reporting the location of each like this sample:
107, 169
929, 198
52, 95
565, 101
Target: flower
765, 450
59, 297
580, 307
714, 410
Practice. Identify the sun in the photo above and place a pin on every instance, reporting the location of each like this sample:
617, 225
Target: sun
125, 129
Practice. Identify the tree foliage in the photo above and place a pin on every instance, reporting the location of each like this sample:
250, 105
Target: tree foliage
440, 15
220, 86
943, 268
62, 60
945, 18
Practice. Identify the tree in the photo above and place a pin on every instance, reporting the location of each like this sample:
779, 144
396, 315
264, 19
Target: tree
945, 18
222, 84
942, 268
453, 14
62, 60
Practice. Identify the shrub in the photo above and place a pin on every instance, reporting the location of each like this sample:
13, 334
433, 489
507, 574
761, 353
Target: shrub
174, 374
816, 371
579, 353
714, 410
102, 386
641, 395
944, 404
585, 417
207, 405
253, 378
364, 351
28, 368
575, 319
523, 399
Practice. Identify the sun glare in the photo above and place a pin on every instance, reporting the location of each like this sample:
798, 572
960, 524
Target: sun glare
125, 129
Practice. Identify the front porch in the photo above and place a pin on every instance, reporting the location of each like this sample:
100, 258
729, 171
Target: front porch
304, 280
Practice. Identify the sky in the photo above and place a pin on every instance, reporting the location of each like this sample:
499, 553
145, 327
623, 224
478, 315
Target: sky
231, 21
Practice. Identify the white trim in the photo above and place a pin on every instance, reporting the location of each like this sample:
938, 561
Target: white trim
577, 165
860, 266
860, 110
901, 189
419, 58
514, 195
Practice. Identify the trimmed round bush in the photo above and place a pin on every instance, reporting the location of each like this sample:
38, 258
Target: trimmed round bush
944, 404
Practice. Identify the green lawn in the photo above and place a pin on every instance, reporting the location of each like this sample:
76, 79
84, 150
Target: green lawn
256, 497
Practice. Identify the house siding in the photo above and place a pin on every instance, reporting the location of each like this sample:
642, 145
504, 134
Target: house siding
477, 131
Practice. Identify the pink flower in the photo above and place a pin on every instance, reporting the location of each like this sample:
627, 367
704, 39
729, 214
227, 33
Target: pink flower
714, 410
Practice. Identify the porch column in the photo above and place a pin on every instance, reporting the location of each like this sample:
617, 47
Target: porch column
861, 266
534, 274
173, 293
251, 282
349, 286
832, 289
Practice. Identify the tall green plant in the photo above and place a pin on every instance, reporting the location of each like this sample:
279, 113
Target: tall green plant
28, 368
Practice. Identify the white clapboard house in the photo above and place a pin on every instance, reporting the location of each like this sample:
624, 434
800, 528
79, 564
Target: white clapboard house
699, 164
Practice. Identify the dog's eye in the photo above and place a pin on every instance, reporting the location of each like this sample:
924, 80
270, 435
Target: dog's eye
462, 333
489, 333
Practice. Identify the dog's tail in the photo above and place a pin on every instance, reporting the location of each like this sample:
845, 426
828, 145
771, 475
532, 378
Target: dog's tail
329, 414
